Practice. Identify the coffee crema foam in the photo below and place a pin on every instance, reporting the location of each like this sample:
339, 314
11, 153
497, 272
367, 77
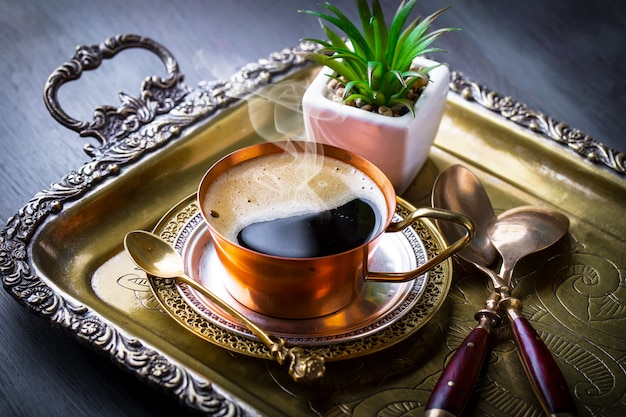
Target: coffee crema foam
283, 185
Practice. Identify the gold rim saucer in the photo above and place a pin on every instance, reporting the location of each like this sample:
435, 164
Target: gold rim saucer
380, 304
386, 313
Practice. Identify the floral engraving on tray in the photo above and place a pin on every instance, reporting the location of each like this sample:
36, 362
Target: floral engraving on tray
137, 282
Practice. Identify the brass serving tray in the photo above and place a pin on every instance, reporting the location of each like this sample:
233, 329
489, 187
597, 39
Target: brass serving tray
61, 255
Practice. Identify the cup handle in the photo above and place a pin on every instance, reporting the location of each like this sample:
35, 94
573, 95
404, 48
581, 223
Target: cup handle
432, 213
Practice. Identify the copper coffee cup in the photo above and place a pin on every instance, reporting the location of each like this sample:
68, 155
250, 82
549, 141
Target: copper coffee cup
311, 287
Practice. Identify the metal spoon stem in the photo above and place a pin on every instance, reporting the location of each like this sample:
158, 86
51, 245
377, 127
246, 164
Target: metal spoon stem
266, 338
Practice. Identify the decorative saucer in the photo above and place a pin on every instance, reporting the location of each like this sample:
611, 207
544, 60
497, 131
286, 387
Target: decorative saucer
384, 314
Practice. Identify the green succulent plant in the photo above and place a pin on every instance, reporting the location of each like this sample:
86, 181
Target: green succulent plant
377, 66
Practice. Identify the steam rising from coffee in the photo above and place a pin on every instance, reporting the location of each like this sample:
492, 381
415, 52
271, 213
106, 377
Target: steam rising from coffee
275, 110
301, 182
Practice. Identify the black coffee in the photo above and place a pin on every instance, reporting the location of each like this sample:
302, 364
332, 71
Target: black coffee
309, 195
317, 234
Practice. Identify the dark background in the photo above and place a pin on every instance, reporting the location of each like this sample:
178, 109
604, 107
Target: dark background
564, 58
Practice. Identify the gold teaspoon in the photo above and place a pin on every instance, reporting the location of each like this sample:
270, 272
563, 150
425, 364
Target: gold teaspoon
157, 257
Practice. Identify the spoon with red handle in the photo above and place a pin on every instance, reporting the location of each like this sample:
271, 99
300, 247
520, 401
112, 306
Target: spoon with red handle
515, 234
457, 189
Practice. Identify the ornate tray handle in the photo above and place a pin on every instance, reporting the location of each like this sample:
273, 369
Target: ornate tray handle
111, 124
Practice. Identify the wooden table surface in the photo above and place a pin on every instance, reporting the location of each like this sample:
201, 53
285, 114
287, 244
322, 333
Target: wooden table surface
564, 58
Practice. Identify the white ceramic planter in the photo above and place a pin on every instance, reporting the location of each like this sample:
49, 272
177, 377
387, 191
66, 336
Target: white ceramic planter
399, 146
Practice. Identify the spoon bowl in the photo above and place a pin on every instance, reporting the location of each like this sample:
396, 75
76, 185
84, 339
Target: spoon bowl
154, 255
458, 189
522, 231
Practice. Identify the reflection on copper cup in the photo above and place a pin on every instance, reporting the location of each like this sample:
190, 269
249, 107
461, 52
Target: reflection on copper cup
290, 287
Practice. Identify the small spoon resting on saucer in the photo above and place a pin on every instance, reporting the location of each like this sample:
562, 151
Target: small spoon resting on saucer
157, 257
